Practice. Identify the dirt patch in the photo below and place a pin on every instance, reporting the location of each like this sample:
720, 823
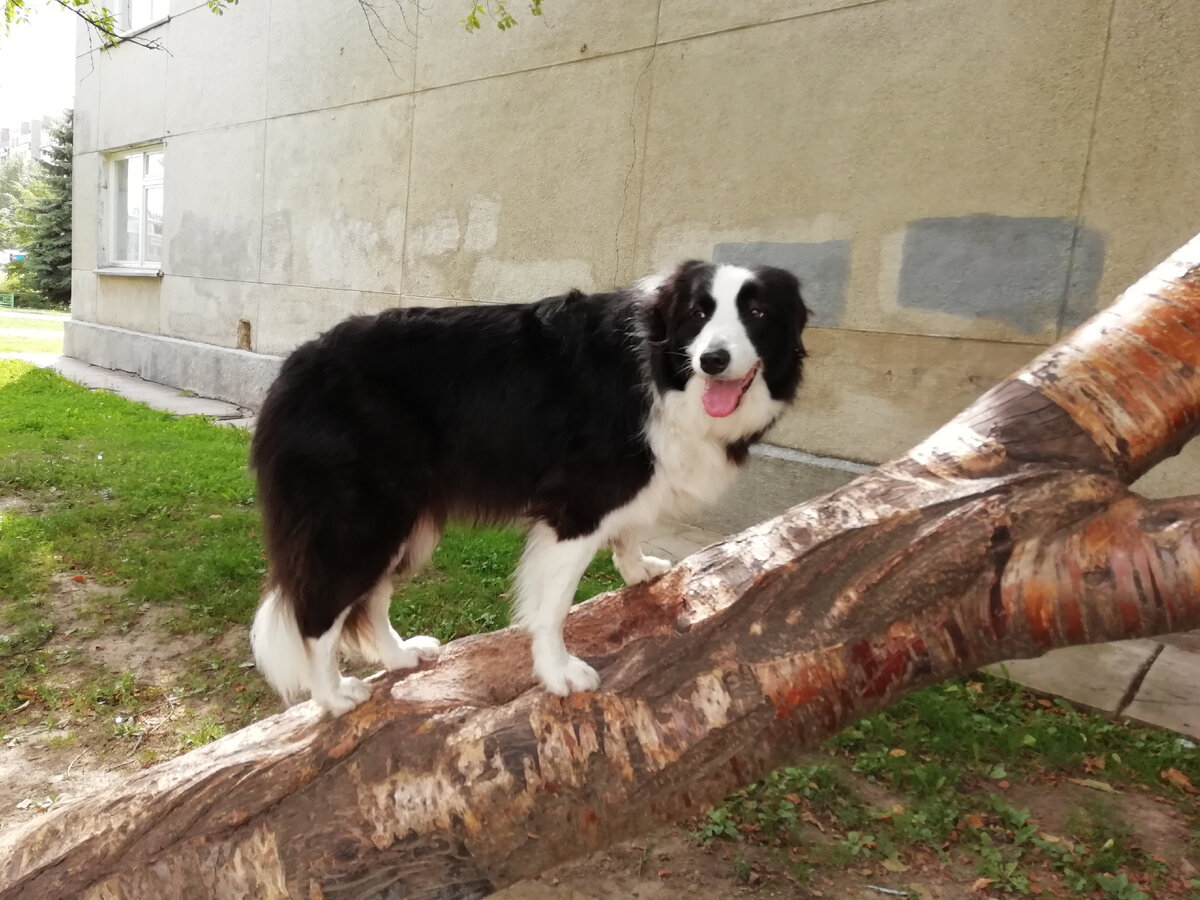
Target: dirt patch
672, 864
14, 504
145, 648
1061, 808
42, 767
666, 865
49, 757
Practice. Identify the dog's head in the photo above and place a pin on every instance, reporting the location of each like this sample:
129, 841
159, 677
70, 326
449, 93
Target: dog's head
731, 335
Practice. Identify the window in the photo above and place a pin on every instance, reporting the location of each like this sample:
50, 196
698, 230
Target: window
135, 187
137, 14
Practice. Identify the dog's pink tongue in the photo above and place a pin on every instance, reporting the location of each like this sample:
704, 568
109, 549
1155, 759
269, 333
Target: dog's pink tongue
722, 396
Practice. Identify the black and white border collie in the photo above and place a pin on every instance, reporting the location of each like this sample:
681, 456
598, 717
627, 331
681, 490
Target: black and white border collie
589, 416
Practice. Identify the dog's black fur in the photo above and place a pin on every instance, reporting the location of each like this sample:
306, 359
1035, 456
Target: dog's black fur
485, 413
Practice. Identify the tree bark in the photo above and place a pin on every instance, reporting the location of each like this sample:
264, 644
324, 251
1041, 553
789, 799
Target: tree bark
1009, 532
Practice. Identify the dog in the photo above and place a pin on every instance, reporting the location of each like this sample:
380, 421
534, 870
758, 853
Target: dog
587, 416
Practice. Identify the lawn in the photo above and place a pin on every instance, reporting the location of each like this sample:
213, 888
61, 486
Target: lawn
27, 323
15, 343
25, 334
130, 565
158, 511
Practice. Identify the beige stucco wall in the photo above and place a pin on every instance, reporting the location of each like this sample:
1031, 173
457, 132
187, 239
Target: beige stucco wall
958, 182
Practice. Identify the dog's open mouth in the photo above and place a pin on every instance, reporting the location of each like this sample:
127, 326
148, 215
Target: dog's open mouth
723, 395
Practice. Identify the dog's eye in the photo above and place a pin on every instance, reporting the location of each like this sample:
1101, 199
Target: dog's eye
699, 313
756, 312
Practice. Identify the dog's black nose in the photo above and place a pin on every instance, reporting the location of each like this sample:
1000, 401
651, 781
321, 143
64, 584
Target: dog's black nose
714, 362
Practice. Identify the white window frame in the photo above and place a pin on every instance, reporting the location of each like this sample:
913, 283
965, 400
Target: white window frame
124, 16
117, 218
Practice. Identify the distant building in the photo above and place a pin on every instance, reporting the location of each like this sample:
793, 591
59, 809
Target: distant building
956, 184
28, 140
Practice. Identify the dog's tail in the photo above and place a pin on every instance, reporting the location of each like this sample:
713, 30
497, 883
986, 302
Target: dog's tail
280, 651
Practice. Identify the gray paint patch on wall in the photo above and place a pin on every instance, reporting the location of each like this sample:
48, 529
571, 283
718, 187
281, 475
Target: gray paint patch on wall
1086, 270
1011, 269
823, 269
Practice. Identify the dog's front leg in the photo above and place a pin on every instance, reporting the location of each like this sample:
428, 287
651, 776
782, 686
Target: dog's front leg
547, 577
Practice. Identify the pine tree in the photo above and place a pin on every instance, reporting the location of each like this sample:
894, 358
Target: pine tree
44, 222
15, 175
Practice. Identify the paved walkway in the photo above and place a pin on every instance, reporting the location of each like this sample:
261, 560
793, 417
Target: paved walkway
1155, 681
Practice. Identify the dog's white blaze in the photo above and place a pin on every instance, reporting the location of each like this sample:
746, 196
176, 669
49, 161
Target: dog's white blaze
725, 329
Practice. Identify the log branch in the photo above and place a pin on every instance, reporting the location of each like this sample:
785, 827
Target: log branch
1007, 533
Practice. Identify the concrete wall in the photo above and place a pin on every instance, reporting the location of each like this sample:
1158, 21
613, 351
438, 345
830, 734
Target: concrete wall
958, 183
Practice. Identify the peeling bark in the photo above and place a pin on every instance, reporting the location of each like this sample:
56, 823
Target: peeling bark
1007, 533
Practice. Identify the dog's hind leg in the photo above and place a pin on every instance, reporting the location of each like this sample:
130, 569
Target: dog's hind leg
331, 689
547, 577
634, 566
376, 631
370, 630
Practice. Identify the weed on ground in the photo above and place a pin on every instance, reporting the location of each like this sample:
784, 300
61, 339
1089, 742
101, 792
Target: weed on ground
980, 783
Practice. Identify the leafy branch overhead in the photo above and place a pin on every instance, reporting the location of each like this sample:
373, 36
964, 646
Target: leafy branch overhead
498, 12
105, 23
102, 20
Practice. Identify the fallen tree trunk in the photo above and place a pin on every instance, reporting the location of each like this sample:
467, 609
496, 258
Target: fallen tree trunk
1007, 533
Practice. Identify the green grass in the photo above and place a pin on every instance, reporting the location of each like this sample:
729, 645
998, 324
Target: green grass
945, 756
10, 343
163, 507
131, 496
25, 323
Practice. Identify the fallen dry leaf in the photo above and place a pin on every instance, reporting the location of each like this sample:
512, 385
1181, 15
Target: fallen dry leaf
1178, 779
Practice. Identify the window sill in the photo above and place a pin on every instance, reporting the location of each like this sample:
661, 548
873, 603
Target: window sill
130, 272
142, 29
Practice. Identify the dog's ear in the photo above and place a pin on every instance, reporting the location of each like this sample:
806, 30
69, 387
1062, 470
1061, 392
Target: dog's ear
671, 300
787, 287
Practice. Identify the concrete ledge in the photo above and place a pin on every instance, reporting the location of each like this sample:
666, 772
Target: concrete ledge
238, 376
1167, 697
1095, 675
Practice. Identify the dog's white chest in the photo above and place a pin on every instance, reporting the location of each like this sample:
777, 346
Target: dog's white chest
691, 465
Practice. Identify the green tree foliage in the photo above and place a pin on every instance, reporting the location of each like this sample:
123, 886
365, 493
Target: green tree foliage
15, 175
104, 22
42, 224
498, 12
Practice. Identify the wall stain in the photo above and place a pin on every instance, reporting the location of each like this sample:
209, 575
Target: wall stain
1027, 272
823, 268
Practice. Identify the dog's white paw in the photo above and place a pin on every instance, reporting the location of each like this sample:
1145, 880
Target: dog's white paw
398, 654
349, 693
427, 647
575, 675
643, 569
